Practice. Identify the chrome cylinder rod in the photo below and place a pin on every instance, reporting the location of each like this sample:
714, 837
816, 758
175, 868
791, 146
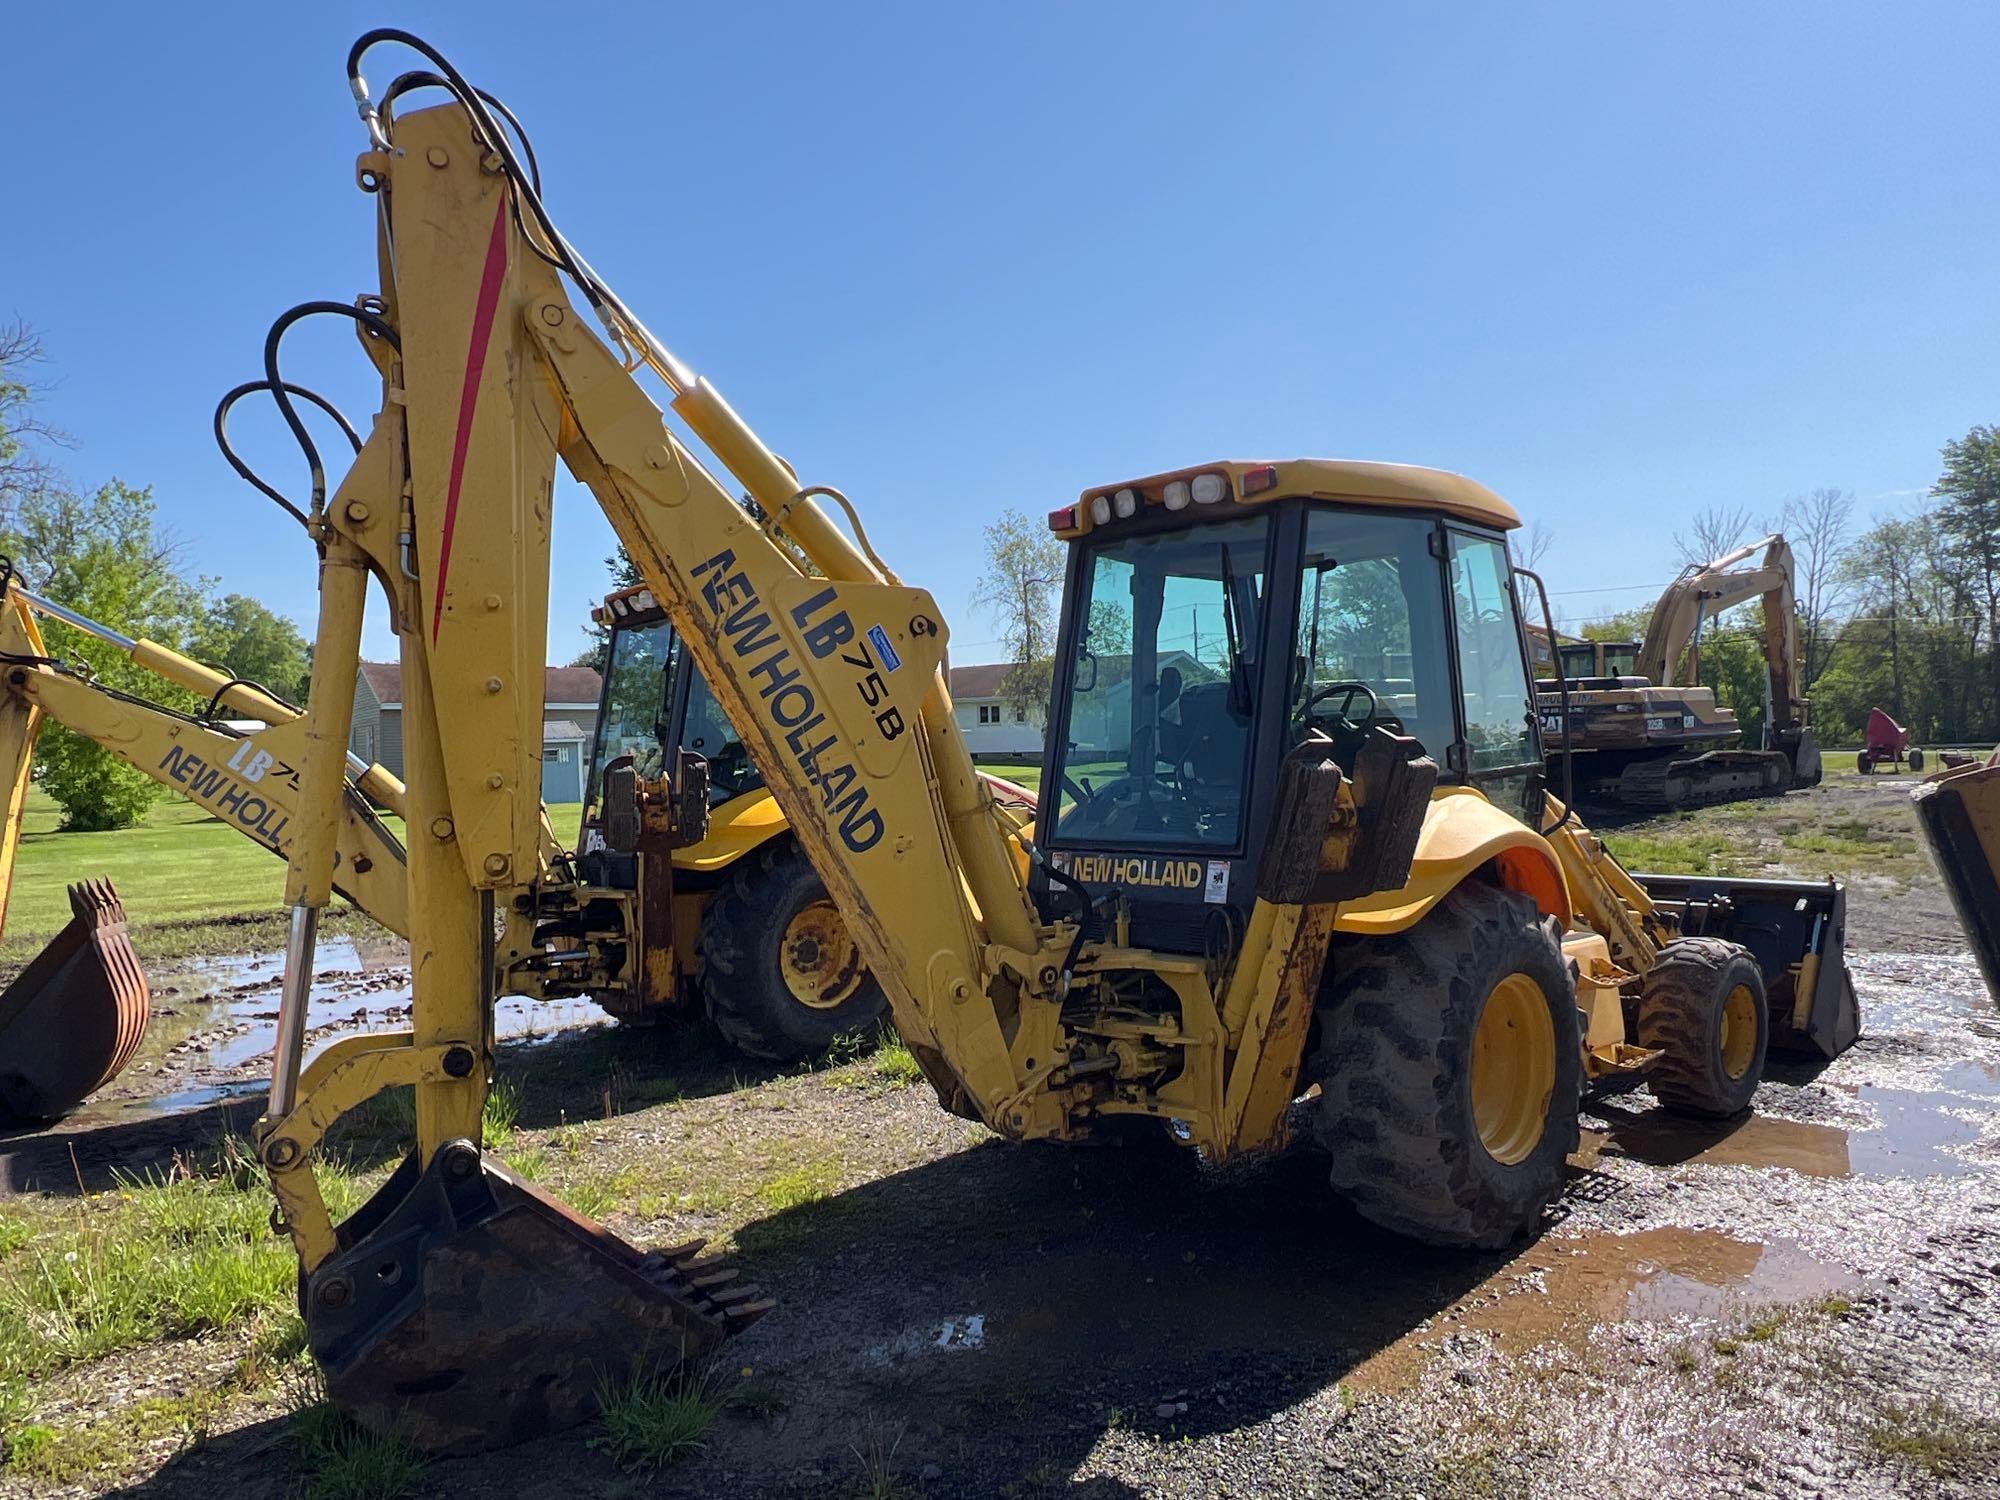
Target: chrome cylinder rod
300, 941
84, 623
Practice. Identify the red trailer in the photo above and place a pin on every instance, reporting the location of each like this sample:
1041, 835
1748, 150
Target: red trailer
1888, 745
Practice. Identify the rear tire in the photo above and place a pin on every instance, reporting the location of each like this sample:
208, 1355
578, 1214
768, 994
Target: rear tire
770, 933
1916, 760
1440, 1128
1703, 1005
1863, 763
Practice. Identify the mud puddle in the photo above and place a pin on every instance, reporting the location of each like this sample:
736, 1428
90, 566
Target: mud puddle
215, 1023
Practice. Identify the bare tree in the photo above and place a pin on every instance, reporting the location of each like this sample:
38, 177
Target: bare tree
1024, 568
1527, 548
1820, 528
24, 468
1712, 532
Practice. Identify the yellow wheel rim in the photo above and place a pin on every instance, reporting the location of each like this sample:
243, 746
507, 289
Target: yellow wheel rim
1513, 1069
1739, 1031
822, 967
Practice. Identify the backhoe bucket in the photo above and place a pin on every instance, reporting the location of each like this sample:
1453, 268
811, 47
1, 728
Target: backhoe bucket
76, 1014
466, 1310
1960, 815
1797, 932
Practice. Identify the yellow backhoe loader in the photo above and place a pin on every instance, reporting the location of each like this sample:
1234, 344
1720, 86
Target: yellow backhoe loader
773, 962
1646, 734
1315, 849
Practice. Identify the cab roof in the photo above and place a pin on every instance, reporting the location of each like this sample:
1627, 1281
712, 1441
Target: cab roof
1357, 481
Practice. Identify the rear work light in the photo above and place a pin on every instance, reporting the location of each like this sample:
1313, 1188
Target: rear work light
1100, 510
1208, 488
1176, 495
1126, 503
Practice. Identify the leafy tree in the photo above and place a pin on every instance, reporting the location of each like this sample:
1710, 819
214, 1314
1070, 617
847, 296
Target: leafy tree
1023, 578
246, 640
1970, 520
104, 556
24, 468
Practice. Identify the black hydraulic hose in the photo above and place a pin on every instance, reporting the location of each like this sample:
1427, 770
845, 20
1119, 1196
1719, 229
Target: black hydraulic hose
222, 410
280, 392
419, 79
208, 714
1085, 909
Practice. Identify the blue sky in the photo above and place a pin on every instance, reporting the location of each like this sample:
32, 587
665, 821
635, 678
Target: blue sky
1611, 260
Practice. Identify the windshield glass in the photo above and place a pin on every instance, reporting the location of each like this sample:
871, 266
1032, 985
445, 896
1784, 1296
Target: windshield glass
635, 699
706, 730
1622, 661
1370, 648
1157, 735
1499, 704
1579, 661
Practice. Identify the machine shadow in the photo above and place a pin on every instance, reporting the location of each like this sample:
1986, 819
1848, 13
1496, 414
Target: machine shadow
1110, 1288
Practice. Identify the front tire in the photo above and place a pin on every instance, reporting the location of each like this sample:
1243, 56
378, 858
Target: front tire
779, 974
1703, 1005
1450, 1069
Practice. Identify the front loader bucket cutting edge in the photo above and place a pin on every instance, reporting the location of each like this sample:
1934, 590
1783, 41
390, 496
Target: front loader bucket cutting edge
72, 1020
466, 1310
1797, 932
1960, 815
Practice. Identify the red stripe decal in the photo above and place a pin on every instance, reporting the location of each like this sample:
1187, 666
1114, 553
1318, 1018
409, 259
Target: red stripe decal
475, 364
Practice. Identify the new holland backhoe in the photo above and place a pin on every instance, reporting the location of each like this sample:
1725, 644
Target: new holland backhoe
1313, 852
1646, 734
773, 964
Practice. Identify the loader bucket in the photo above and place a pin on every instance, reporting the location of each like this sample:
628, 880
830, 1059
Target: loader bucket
1960, 815
466, 1310
76, 1014
1797, 932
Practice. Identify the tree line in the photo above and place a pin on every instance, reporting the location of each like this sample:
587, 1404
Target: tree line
105, 553
1901, 613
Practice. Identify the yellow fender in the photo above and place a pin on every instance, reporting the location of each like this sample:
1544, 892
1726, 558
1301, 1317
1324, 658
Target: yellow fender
1462, 832
738, 827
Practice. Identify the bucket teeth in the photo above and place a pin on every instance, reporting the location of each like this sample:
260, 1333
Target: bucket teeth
740, 1315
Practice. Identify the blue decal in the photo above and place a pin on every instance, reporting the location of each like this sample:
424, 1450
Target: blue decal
884, 652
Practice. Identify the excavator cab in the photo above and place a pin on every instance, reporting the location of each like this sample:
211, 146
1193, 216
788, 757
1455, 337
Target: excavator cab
1219, 619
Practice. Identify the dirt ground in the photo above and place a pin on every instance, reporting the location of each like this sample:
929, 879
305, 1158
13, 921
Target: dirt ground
1799, 1302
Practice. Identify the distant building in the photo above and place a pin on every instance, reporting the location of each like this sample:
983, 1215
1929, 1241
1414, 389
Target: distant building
569, 714
992, 726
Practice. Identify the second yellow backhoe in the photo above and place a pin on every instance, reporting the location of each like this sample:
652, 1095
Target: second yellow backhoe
1313, 850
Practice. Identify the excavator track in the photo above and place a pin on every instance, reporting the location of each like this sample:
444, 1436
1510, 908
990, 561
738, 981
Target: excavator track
1703, 781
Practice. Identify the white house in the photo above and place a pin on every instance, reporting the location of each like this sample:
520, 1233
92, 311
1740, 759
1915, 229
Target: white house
992, 727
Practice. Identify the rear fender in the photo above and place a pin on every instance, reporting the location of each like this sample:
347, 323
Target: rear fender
1462, 833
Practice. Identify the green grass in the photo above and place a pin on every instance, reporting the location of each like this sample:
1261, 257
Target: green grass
183, 874
1694, 852
654, 1417
1934, 1438
344, 1461
171, 1256
1020, 772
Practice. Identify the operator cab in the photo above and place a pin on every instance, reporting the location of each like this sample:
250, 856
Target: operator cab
653, 698
1219, 617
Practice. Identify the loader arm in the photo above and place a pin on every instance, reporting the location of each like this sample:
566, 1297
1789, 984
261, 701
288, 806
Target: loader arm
249, 781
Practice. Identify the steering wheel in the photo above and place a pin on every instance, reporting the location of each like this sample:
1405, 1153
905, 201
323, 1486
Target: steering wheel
1348, 692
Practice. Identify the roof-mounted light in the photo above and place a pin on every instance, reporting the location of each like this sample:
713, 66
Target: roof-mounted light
1256, 481
1177, 495
1100, 510
1208, 488
1064, 519
643, 601
1126, 503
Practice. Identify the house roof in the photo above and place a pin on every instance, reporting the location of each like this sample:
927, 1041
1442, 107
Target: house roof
979, 682
562, 729
569, 687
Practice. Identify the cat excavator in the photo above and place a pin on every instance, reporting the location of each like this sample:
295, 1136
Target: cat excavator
1297, 857
1647, 735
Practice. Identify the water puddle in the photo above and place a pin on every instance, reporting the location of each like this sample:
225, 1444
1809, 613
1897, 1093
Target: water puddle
219, 1019
1919, 1132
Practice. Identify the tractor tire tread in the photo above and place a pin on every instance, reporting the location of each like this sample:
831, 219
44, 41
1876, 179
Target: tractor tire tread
1396, 1027
1676, 1014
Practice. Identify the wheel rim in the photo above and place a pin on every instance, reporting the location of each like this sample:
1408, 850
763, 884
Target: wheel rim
1513, 1069
821, 965
1739, 1031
